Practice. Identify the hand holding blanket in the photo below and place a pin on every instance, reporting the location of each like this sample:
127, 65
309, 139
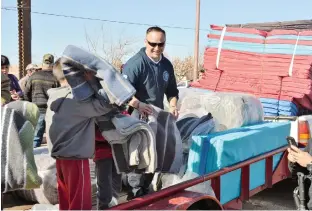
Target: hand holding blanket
153, 146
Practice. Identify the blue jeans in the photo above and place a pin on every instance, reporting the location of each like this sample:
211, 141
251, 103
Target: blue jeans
40, 129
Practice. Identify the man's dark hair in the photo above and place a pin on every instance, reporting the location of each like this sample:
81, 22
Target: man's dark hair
155, 29
5, 61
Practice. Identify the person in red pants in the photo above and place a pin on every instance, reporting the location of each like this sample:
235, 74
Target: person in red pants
74, 184
71, 141
108, 181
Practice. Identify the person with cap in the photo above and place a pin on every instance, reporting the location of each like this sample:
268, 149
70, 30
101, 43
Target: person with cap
30, 69
15, 89
36, 91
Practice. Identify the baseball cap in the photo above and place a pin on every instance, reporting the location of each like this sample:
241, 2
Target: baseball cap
32, 66
48, 59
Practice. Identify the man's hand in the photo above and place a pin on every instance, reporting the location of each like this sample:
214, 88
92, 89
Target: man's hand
174, 111
290, 156
144, 108
299, 156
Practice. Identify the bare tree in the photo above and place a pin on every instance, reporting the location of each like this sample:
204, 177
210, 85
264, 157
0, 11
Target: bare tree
183, 67
112, 51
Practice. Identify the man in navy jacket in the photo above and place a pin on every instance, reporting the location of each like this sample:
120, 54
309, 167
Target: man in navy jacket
152, 75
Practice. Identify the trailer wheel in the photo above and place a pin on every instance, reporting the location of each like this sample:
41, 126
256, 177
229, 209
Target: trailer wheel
205, 204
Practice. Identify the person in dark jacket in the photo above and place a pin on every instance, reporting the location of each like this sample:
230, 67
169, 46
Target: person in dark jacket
15, 89
298, 162
36, 91
152, 75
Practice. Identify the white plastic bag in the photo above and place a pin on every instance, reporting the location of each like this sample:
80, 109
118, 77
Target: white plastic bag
229, 110
172, 179
45, 207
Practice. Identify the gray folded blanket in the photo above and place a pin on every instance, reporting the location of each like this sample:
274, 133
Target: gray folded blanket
133, 144
108, 83
153, 146
18, 167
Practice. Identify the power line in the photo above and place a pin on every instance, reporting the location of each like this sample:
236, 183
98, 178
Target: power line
102, 20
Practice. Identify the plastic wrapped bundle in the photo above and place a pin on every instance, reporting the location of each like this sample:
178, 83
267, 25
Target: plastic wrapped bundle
230, 110
172, 179
182, 93
47, 193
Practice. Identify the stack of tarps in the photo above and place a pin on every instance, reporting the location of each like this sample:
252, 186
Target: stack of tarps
215, 151
229, 110
273, 107
47, 193
275, 65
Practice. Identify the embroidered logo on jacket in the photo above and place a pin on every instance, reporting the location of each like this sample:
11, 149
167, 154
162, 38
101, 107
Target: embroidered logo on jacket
166, 76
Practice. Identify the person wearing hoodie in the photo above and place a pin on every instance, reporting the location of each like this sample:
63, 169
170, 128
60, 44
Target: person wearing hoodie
298, 162
15, 89
71, 141
152, 75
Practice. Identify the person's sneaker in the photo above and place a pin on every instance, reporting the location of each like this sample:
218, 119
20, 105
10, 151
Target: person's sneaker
137, 194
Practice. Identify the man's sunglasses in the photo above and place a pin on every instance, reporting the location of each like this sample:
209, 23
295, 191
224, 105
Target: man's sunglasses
162, 44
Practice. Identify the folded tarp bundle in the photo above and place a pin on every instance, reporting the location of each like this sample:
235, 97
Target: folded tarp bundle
274, 64
274, 107
234, 61
229, 110
219, 150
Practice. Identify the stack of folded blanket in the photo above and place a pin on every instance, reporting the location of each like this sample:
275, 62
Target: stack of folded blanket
270, 65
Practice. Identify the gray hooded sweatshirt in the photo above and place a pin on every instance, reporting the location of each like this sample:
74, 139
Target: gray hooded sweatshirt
70, 124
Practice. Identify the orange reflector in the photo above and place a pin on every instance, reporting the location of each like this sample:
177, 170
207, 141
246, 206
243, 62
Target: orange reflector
304, 136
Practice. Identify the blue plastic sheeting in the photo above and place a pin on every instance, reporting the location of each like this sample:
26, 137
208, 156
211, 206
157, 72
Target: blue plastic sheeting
261, 48
270, 106
287, 113
270, 110
274, 107
269, 101
289, 37
218, 150
236, 34
270, 114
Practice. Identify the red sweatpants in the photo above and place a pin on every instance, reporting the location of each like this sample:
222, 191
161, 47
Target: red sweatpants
74, 184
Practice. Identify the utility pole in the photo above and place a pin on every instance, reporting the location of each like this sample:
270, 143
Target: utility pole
24, 35
196, 46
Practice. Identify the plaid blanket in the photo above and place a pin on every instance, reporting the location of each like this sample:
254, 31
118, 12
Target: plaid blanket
133, 143
108, 83
152, 146
168, 141
18, 167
